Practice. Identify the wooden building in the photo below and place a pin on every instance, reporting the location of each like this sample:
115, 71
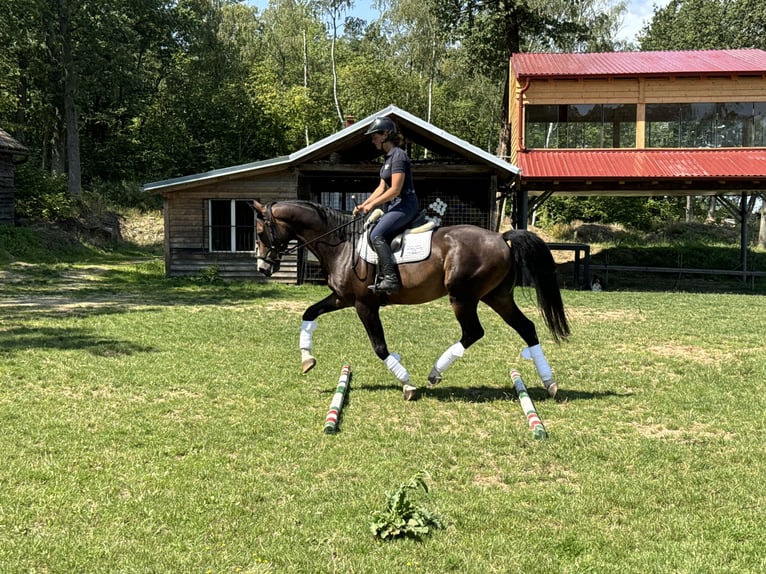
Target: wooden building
9, 150
209, 223
639, 123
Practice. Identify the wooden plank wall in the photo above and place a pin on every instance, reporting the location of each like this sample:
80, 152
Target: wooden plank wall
6, 189
645, 90
186, 240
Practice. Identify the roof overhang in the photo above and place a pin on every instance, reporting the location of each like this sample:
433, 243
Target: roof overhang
692, 63
351, 147
643, 172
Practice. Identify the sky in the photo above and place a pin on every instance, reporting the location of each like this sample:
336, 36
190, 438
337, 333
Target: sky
639, 12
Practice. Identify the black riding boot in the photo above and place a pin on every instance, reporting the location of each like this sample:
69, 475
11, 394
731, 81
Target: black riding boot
388, 277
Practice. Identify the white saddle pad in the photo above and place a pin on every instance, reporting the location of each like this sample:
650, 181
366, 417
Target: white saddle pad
415, 247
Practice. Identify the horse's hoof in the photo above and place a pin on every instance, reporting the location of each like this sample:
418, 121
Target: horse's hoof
434, 377
308, 364
410, 392
552, 387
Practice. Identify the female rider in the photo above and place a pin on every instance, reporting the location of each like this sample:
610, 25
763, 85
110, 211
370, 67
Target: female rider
395, 188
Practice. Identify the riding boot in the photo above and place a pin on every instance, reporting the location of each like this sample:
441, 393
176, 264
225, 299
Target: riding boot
388, 277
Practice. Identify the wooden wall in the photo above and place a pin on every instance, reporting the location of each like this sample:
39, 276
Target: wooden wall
638, 90
6, 189
186, 238
645, 90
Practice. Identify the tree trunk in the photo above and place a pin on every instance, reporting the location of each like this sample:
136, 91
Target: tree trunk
335, 71
70, 107
306, 82
513, 43
762, 229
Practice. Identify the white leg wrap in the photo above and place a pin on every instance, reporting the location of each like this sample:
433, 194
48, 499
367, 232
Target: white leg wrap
393, 364
307, 328
450, 356
541, 363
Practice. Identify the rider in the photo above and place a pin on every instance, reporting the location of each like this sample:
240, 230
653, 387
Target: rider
395, 188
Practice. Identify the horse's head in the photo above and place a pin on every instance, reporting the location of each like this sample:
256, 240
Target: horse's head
272, 238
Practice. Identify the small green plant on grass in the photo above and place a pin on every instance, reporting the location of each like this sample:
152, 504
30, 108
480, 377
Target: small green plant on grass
403, 518
210, 274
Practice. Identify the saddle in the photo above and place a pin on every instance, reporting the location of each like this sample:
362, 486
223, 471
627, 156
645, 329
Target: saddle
413, 244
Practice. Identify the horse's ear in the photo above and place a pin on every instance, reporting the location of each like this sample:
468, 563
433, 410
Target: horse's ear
259, 207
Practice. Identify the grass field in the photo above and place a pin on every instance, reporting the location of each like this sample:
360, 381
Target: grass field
152, 425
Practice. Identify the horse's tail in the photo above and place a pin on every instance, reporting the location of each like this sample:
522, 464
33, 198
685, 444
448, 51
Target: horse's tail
533, 259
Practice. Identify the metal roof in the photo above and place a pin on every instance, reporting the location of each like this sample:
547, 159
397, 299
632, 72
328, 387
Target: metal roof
352, 142
706, 62
740, 163
7, 143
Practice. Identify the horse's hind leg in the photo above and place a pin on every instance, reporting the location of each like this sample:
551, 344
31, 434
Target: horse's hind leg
501, 301
467, 316
370, 317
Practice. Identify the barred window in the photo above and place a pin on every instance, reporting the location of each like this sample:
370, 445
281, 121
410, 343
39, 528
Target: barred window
231, 225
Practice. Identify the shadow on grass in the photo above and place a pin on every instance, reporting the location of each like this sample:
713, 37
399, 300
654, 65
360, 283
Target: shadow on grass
23, 339
485, 394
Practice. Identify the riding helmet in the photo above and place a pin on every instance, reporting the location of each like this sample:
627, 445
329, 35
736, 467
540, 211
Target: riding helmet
380, 125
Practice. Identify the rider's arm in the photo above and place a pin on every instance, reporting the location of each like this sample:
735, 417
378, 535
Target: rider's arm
383, 194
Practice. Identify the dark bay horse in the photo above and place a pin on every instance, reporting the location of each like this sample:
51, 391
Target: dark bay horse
467, 263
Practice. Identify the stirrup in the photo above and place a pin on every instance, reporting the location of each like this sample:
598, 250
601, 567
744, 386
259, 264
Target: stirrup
378, 290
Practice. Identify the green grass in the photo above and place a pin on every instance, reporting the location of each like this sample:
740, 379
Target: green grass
154, 425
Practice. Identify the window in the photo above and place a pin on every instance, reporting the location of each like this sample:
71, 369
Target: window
731, 124
343, 200
580, 126
231, 225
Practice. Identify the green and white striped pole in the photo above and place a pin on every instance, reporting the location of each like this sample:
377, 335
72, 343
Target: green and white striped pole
533, 419
336, 405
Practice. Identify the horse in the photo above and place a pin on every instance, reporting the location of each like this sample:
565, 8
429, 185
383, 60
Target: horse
466, 262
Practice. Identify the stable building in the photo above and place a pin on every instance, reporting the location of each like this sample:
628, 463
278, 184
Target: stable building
639, 123
209, 223
10, 149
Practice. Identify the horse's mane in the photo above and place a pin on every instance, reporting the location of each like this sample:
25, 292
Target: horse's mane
333, 218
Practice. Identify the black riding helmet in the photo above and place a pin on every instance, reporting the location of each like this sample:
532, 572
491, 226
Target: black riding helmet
381, 125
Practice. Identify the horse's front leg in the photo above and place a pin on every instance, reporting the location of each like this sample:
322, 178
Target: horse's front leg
370, 317
309, 325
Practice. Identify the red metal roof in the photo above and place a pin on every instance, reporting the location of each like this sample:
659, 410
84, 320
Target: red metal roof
640, 63
741, 163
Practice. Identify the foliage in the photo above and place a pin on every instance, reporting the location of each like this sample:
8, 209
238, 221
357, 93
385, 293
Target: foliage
402, 517
161, 89
639, 212
706, 25
41, 195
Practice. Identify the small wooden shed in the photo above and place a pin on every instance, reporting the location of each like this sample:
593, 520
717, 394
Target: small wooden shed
209, 223
9, 148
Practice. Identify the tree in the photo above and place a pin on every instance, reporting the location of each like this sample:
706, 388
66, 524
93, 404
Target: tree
334, 9
686, 25
489, 31
707, 25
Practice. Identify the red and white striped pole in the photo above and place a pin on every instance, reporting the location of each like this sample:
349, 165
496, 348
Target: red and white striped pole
336, 405
533, 419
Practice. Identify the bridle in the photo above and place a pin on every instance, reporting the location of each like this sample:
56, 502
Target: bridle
276, 246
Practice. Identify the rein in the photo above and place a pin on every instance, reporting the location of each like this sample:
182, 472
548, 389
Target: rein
269, 220
305, 243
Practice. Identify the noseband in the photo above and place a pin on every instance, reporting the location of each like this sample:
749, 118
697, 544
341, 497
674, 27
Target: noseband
275, 246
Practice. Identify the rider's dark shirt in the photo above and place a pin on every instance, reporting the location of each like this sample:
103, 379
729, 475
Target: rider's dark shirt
397, 161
